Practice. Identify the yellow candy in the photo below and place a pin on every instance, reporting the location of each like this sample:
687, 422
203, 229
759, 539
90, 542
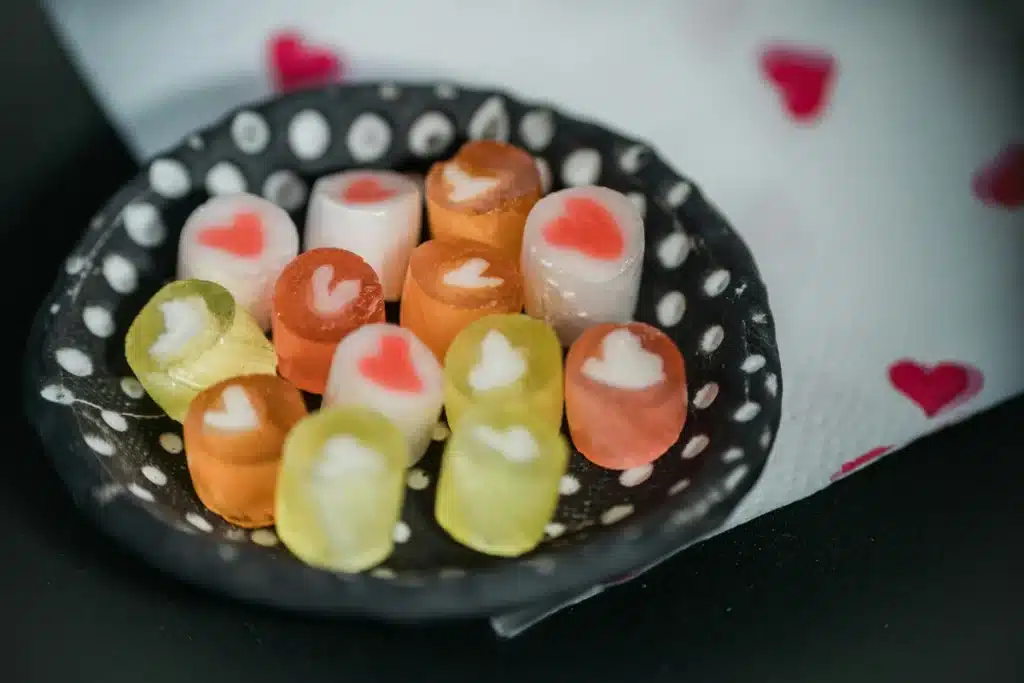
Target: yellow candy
340, 488
511, 360
190, 336
498, 486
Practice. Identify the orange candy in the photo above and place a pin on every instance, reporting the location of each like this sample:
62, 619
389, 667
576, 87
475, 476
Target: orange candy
625, 394
321, 296
484, 193
451, 283
234, 431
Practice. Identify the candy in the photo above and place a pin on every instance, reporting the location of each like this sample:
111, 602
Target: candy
483, 193
625, 394
189, 336
340, 488
388, 369
498, 486
511, 360
375, 214
582, 258
452, 283
321, 296
241, 242
234, 431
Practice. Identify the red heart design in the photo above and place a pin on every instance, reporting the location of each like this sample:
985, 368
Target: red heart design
366, 191
392, 367
295, 64
860, 461
244, 237
936, 389
1001, 181
587, 227
803, 77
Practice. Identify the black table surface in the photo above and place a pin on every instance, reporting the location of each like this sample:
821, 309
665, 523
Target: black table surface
909, 571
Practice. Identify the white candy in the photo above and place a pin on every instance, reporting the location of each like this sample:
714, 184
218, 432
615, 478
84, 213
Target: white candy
577, 272
387, 368
215, 246
383, 231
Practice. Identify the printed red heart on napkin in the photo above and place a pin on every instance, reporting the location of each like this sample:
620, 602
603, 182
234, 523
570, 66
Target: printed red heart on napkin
294, 64
244, 237
366, 191
936, 388
860, 461
1001, 181
392, 366
803, 77
587, 227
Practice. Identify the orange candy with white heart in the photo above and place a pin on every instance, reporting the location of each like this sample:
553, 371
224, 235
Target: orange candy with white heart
577, 272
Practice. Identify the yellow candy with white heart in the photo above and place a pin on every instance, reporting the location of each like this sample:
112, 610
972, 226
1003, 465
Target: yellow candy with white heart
190, 336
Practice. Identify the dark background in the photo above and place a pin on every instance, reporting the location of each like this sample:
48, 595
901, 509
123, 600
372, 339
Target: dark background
909, 571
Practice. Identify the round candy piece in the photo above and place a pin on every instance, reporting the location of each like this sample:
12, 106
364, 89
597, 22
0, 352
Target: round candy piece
498, 486
511, 360
451, 283
242, 242
189, 336
234, 432
388, 369
321, 296
583, 252
375, 214
340, 488
625, 394
483, 193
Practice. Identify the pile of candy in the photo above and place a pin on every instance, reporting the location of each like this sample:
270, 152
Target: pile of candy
333, 481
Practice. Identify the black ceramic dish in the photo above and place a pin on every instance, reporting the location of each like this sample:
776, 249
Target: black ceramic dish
121, 458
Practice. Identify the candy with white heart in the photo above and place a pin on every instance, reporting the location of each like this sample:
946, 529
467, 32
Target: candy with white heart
387, 368
499, 480
242, 242
340, 488
582, 257
234, 432
375, 214
189, 336
625, 394
451, 283
508, 359
321, 296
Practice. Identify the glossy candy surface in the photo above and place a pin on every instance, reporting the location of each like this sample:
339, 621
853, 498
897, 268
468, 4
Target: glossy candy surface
189, 336
341, 487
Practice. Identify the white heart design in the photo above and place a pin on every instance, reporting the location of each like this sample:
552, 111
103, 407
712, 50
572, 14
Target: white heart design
345, 455
238, 414
183, 319
515, 443
470, 275
465, 186
329, 300
500, 363
625, 363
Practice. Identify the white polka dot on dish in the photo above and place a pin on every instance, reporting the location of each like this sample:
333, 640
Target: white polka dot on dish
369, 138
120, 274
198, 521
716, 282
537, 129
417, 479
490, 121
154, 475
712, 339
98, 444
98, 321
74, 361
568, 485
264, 537
143, 224
132, 388
695, 446
671, 308
169, 178
171, 443
250, 132
616, 514
705, 396
114, 420
225, 178
402, 533
581, 167
636, 475
309, 135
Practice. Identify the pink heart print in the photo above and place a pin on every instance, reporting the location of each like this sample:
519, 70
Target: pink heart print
938, 388
295, 64
803, 77
1001, 181
860, 461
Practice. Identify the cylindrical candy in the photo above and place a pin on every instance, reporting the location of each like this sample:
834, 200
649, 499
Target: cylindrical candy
321, 296
234, 432
452, 283
242, 242
388, 369
625, 394
340, 488
375, 214
484, 193
499, 480
189, 336
511, 360
583, 253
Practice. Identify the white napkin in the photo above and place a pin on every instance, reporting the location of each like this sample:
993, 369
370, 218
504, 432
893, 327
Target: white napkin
884, 209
